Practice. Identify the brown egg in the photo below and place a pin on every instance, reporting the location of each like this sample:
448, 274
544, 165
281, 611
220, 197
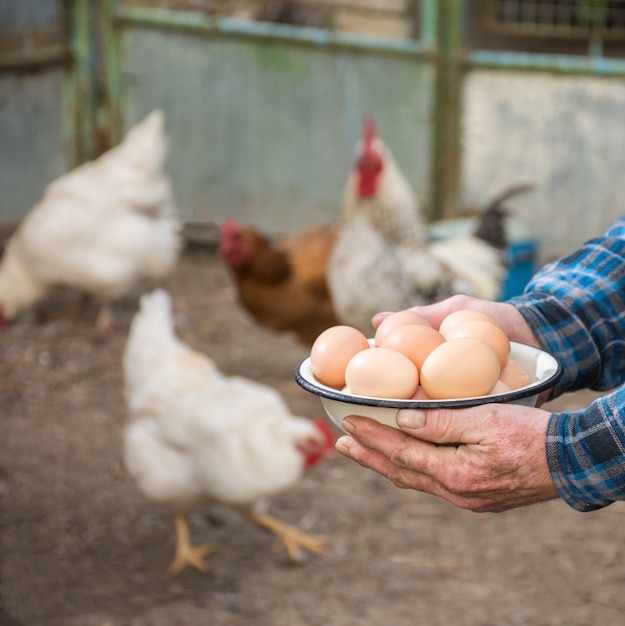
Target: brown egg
416, 341
464, 315
395, 320
514, 375
420, 394
499, 388
331, 352
382, 373
493, 335
460, 368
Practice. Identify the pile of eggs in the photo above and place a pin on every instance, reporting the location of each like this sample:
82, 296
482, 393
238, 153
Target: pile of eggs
467, 356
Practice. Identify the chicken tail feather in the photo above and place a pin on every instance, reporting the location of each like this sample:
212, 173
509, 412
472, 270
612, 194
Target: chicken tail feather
491, 226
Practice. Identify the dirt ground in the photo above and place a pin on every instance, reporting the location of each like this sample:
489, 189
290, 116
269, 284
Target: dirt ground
80, 547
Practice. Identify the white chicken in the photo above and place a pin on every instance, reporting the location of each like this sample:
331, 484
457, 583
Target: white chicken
100, 229
383, 259
195, 436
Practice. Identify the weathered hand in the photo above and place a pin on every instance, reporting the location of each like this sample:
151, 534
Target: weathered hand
498, 462
510, 319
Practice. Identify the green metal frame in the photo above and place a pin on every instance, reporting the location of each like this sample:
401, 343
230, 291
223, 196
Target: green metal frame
78, 122
225, 26
93, 120
92, 90
593, 65
94, 117
446, 132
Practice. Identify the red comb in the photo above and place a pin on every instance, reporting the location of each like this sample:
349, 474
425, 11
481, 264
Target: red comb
230, 226
369, 131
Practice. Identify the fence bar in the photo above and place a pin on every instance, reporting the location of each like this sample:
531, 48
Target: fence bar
216, 25
557, 63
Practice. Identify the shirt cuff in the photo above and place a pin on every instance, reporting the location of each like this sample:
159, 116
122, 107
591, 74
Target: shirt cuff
586, 457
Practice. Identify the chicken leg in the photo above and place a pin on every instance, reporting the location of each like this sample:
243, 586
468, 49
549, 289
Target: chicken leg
289, 537
105, 322
187, 554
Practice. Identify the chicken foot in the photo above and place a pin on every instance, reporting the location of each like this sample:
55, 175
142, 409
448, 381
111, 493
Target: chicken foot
289, 537
186, 553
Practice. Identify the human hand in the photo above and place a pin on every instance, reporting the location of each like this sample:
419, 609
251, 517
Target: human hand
498, 461
511, 320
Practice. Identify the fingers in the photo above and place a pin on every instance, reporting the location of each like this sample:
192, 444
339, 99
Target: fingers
498, 463
392, 468
435, 313
368, 457
446, 426
378, 318
507, 315
394, 449
401, 474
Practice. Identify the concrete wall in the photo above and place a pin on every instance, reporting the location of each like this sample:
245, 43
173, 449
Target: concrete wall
566, 134
266, 131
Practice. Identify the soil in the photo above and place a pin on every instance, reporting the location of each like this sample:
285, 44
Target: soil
79, 546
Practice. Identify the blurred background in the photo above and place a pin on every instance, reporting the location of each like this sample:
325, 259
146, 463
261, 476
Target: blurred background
265, 101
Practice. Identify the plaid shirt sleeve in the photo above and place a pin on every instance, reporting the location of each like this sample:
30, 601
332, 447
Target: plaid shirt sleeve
576, 308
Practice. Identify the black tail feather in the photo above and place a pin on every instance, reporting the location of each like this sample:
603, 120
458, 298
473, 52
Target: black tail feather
491, 226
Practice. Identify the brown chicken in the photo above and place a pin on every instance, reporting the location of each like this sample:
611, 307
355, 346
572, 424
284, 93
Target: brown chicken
282, 284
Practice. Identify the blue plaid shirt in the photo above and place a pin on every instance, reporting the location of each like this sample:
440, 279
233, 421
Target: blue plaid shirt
576, 308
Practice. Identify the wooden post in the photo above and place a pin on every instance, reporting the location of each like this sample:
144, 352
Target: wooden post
92, 94
446, 119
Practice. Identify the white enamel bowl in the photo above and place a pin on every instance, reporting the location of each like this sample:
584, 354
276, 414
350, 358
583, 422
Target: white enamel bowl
543, 371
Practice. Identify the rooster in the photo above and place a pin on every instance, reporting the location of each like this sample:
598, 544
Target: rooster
195, 436
282, 284
99, 229
383, 259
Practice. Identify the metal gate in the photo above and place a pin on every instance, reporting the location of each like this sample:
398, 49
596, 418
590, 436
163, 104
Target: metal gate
263, 117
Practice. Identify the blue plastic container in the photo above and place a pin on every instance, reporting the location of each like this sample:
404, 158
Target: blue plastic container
521, 267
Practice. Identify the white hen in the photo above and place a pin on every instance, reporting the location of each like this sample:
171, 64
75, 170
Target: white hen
383, 259
195, 436
100, 229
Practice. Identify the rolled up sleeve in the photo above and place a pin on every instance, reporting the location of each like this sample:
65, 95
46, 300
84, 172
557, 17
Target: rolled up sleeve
586, 453
576, 308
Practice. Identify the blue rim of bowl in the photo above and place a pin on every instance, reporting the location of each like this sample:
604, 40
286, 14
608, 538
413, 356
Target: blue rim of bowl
518, 394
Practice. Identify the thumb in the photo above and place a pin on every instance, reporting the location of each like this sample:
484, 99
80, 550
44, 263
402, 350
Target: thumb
443, 425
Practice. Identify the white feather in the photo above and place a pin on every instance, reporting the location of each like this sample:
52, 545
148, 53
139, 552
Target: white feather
383, 260
101, 228
194, 435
